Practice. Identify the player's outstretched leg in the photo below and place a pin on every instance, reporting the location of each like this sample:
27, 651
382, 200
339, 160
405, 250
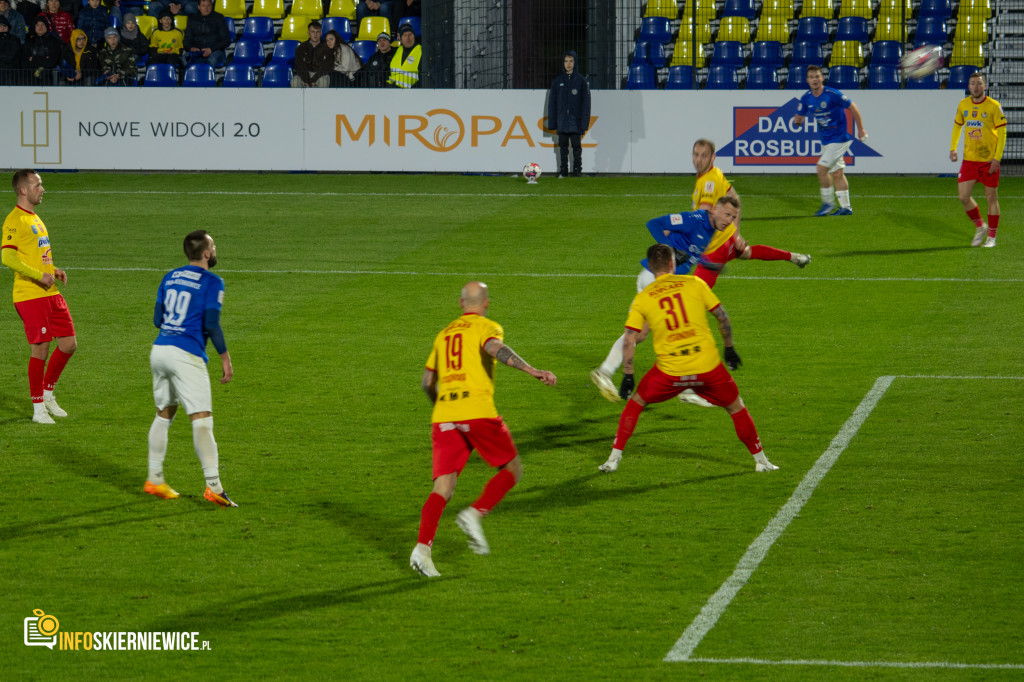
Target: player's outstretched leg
627, 424
430, 516
747, 433
602, 376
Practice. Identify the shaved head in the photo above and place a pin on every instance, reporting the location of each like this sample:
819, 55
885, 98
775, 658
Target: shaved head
474, 297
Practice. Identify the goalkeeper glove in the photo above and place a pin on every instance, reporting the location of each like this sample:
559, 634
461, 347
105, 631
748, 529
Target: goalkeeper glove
732, 358
626, 389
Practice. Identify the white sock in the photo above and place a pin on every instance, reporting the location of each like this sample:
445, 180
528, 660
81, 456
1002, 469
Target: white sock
47, 395
612, 363
844, 197
826, 195
158, 448
39, 408
206, 450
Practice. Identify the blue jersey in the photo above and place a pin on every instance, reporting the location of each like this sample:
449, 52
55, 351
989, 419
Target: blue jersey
184, 296
829, 110
689, 234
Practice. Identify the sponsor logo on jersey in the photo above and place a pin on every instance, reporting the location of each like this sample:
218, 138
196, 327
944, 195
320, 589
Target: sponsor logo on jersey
43, 241
676, 219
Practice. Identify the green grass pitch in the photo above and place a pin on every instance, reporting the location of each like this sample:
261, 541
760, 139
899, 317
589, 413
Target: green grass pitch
908, 552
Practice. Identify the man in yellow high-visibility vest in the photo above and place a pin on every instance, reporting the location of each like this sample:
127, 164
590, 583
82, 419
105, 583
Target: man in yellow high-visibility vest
405, 65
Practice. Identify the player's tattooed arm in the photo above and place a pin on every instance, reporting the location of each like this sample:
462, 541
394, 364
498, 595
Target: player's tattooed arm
430, 384
724, 324
628, 350
506, 356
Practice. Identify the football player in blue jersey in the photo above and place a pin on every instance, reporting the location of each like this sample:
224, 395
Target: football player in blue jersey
828, 107
187, 313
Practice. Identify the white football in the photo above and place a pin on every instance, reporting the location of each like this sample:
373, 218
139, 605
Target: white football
531, 172
922, 62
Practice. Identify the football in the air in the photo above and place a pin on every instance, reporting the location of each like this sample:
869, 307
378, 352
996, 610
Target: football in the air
531, 172
922, 62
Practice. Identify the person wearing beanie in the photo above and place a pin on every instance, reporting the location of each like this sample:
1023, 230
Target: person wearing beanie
166, 43
117, 60
40, 54
405, 66
133, 37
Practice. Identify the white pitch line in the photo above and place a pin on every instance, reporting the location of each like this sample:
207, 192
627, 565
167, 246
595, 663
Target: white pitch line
866, 664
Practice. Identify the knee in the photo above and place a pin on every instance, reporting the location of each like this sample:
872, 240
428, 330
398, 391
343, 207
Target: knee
68, 345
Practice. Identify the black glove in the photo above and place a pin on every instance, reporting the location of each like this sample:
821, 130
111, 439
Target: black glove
732, 358
626, 389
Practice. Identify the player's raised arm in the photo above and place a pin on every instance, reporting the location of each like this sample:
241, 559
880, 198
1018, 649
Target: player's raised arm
505, 355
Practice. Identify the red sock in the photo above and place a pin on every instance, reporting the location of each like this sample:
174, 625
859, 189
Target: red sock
430, 517
993, 225
494, 491
975, 215
35, 378
746, 431
627, 422
768, 253
58, 359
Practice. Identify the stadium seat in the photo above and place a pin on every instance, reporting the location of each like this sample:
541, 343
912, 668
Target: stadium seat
762, 77
722, 78
640, 51
115, 21
766, 53
847, 53
706, 11
773, 28
844, 76
267, 8
230, 8
734, 29
296, 28
807, 54
797, 77
661, 8
812, 29
883, 77
971, 28
161, 76
239, 76
965, 53
899, 10
284, 52
974, 8
935, 8
414, 22
886, 52
929, 82
853, 28
248, 52
339, 24
679, 78
656, 55
259, 28
739, 8
727, 53
365, 49
816, 8
959, 76
308, 8
200, 75
277, 75
371, 27
343, 8
855, 8
181, 22
147, 25
232, 31
653, 30
688, 26
641, 77
778, 9
931, 31
891, 29
682, 56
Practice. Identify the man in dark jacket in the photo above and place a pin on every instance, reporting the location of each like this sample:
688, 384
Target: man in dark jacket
377, 70
40, 54
10, 53
15, 21
569, 113
206, 35
314, 61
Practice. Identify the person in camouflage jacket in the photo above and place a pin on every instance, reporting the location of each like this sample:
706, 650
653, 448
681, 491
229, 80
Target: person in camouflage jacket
117, 60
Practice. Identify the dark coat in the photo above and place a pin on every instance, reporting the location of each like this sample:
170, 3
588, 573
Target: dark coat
376, 71
569, 101
41, 51
210, 32
313, 62
10, 51
94, 22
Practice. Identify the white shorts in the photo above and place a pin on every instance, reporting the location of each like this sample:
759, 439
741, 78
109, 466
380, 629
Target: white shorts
643, 279
180, 377
832, 155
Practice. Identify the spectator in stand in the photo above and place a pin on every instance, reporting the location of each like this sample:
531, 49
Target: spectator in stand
166, 43
176, 7
40, 54
377, 69
10, 53
94, 20
15, 21
346, 61
133, 37
207, 36
404, 8
28, 9
60, 22
117, 60
314, 61
373, 8
79, 63
405, 65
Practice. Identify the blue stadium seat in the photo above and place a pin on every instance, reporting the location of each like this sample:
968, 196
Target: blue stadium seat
656, 55
812, 30
727, 53
738, 8
232, 30
929, 82
412, 21
640, 52
935, 8
762, 77
340, 24
766, 52
844, 77
722, 77
365, 49
883, 77
200, 75
679, 78
161, 76
807, 54
248, 52
853, 28
959, 75
931, 31
115, 21
655, 30
886, 52
797, 78
284, 52
259, 28
641, 77
239, 76
277, 75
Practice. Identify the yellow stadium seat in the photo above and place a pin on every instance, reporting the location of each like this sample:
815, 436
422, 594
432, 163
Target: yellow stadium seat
890, 30
180, 22
777, 8
371, 27
889, 10
847, 53
295, 28
967, 53
231, 8
147, 24
974, 8
682, 55
816, 8
703, 7
702, 29
269, 8
773, 28
343, 8
734, 28
855, 8
971, 29
662, 8
308, 8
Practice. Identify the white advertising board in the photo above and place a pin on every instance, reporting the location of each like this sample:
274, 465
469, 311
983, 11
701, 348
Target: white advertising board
450, 130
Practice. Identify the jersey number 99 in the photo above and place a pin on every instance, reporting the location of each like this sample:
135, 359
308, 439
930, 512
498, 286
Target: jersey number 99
176, 306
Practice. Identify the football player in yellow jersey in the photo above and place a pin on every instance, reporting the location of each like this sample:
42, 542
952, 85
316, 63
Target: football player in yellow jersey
675, 307
984, 142
25, 248
459, 380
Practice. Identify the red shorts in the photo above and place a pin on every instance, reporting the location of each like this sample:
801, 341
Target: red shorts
45, 318
454, 441
716, 386
978, 171
723, 254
